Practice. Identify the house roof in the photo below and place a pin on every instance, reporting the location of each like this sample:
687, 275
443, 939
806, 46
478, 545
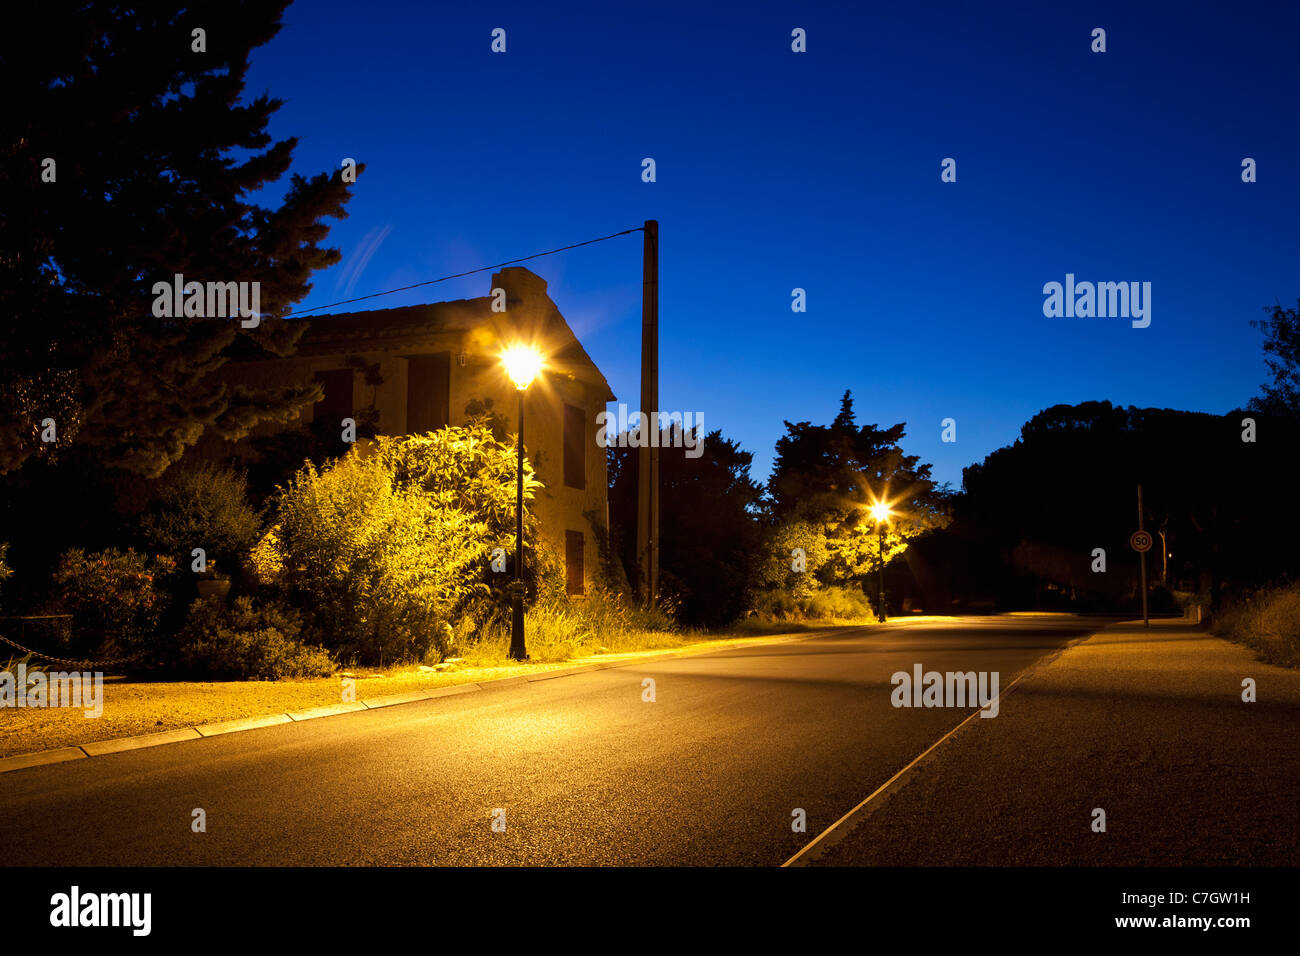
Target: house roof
529, 314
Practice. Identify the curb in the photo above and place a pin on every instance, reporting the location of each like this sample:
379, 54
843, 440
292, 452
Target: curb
121, 744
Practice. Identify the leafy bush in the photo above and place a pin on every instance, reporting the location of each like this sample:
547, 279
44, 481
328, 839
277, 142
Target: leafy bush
839, 604
200, 505
390, 546
834, 603
1268, 621
113, 595
776, 571
248, 641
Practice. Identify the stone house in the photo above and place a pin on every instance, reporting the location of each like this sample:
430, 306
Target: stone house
422, 367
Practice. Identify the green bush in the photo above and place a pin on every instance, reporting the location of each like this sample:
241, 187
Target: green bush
389, 548
248, 641
199, 505
833, 603
113, 596
839, 604
775, 572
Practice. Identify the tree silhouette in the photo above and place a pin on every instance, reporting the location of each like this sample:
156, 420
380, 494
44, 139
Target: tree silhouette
825, 478
1282, 343
130, 157
708, 525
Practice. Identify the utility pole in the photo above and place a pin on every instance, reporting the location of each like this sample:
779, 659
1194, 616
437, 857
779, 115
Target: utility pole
647, 486
1142, 556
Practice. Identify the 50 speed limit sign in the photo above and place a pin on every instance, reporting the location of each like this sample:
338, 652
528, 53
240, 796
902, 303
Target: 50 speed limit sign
1140, 541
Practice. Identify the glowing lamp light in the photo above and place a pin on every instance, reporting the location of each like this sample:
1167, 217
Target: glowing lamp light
522, 365
880, 511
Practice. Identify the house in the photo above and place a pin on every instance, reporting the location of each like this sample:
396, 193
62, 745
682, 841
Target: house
414, 369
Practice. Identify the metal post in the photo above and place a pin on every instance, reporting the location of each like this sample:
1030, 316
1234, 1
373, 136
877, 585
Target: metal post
518, 648
880, 586
1146, 620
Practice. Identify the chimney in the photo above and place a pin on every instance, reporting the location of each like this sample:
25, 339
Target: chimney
524, 289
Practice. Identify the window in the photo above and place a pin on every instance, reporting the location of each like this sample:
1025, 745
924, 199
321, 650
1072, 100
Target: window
573, 545
575, 447
336, 404
428, 392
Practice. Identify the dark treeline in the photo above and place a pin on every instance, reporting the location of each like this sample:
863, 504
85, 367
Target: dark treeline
1031, 516
804, 545
1041, 524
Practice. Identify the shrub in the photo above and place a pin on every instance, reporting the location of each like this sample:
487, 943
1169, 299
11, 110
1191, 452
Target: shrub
248, 641
113, 596
199, 505
390, 546
839, 604
834, 603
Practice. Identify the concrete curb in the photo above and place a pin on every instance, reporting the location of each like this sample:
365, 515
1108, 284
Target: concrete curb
121, 744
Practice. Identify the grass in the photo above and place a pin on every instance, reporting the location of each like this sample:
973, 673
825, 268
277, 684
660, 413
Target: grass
1267, 621
602, 623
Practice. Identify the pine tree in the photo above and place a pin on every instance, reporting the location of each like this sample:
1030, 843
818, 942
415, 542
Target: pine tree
827, 477
1282, 348
129, 156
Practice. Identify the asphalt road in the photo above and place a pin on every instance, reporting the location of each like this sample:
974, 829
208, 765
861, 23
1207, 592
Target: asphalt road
1147, 725
586, 771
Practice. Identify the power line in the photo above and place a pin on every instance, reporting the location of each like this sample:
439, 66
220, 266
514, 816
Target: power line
471, 272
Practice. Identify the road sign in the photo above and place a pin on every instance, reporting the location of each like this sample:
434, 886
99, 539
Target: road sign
1140, 541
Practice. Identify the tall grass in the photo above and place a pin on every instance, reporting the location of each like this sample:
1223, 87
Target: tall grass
603, 622
1268, 621
11, 663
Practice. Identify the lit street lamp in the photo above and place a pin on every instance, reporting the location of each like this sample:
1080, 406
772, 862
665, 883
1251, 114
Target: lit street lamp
880, 511
522, 365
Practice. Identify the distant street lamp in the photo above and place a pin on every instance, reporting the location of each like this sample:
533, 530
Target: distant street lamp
880, 511
522, 365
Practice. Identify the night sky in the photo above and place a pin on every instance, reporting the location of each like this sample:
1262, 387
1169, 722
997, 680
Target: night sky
821, 170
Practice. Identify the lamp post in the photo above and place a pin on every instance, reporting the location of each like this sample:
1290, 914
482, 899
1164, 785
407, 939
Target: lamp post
522, 365
880, 511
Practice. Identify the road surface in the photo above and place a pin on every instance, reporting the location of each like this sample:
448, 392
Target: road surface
585, 770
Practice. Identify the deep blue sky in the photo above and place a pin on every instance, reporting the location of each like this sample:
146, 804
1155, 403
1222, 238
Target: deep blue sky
821, 170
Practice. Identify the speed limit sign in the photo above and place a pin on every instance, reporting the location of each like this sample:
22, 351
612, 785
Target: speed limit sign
1140, 541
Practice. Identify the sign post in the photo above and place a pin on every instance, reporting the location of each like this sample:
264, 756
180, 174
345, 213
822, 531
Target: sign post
1140, 541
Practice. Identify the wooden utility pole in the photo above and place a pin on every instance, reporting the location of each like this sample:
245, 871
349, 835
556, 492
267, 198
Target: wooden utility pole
647, 485
1142, 556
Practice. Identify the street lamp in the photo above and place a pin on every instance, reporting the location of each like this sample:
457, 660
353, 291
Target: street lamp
880, 511
522, 365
